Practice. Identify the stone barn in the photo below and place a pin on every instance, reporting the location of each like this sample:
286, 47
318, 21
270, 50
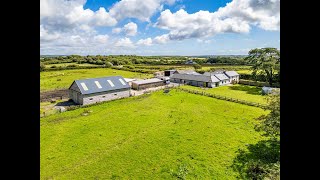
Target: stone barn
148, 83
89, 91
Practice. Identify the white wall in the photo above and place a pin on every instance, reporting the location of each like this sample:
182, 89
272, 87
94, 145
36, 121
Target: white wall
91, 99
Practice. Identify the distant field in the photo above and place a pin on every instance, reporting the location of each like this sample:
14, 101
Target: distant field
159, 136
51, 80
238, 91
244, 71
67, 64
231, 67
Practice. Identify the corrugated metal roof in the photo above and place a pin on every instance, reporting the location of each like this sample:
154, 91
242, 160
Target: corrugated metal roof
221, 76
193, 77
231, 73
90, 86
147, 81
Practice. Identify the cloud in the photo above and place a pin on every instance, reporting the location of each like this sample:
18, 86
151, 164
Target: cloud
145, 42
116, 30
204, 41
124, 42
130, 29
101, 38
161, 39
140, 9
236, 17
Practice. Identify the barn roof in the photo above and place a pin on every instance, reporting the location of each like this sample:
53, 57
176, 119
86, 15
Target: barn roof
148, 81
193, 77
231, 73
96, 85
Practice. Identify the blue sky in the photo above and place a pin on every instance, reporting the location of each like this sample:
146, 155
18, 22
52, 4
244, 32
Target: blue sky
158, 27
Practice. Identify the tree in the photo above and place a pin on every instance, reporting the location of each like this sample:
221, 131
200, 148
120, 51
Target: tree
262, 160
270, 124
108, 64
265, 61
42, 67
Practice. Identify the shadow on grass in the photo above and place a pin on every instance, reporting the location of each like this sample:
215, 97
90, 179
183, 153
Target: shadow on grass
249, 89
66, 103
259, 160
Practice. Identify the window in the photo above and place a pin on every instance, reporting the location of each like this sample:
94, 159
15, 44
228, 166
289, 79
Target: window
103, 96
111, 83
91, 99
122, 82
84, 86
115, 94
98, 84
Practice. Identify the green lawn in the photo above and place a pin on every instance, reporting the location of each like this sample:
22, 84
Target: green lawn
157, 136
51, 80
238, 91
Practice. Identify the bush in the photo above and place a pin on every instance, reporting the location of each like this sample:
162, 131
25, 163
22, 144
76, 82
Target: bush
197, 66
42, 67
200, 71
72, 65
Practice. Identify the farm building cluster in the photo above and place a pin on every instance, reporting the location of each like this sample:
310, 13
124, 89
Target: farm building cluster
89, 91
208, 79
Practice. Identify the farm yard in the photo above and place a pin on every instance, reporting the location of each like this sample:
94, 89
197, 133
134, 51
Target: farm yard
153, 136
237, 91
62, 79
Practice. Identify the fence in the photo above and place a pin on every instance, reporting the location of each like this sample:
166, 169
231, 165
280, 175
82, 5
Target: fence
223, 98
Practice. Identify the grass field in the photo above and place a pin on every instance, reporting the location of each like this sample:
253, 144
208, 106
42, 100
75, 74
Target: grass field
227, 67
67, 64
244, 71
238, 91
158, 136
51, 80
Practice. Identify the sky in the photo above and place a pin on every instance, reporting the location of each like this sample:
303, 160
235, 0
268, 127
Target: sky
158, 27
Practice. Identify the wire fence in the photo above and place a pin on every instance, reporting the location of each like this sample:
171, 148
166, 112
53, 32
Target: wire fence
224, 98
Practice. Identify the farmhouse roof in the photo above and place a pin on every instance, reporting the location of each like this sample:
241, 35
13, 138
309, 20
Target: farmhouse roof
148, 81
95, 85
192, 77
231, 73
221, 76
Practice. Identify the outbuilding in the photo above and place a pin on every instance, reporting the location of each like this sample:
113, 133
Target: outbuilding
89, 91
147, 83
195, 80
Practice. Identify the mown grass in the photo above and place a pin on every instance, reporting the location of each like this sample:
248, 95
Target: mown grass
60, 79
237, 91
158, 136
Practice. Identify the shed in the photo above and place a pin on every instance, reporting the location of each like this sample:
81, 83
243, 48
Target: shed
147, 83
268, 90
89, 91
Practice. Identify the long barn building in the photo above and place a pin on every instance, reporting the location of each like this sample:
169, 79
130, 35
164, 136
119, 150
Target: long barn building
89, 91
